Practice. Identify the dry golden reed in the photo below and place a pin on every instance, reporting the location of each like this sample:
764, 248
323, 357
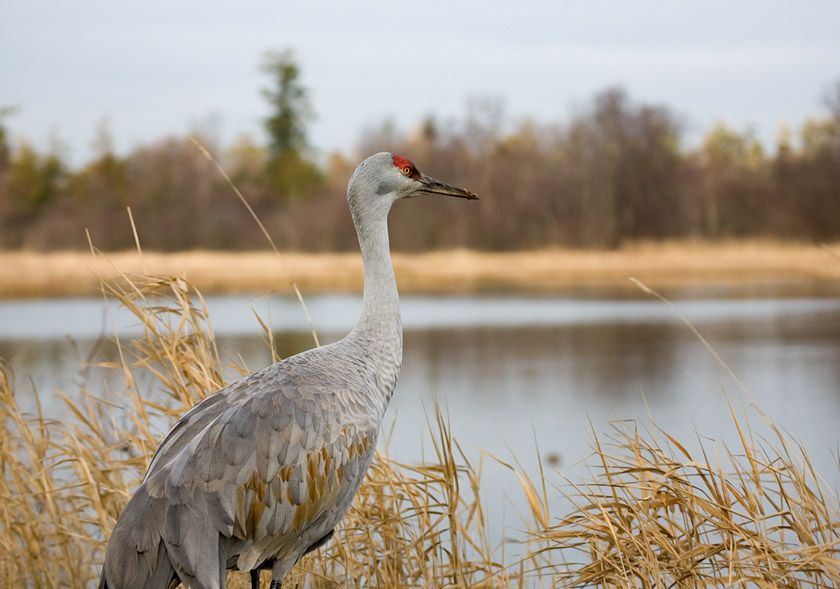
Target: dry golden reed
648, 515
661, 265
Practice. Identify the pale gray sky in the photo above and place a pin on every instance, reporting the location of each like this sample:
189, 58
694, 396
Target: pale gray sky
159, 67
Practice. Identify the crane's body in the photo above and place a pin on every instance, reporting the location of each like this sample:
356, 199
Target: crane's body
259, 473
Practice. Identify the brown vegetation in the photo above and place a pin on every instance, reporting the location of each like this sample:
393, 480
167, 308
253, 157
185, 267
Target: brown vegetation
661, 265
650, 514
615, 173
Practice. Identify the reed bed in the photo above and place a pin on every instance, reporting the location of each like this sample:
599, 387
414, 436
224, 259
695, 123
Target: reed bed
668, 265
654, 515
647, 513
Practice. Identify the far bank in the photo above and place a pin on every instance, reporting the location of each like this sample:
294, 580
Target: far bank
750, 265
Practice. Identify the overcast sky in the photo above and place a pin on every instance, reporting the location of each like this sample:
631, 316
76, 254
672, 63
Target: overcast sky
163, 67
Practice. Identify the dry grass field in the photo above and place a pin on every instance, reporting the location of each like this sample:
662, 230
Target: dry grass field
659, 265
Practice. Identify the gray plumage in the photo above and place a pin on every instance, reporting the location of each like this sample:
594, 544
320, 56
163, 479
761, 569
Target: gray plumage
259, 473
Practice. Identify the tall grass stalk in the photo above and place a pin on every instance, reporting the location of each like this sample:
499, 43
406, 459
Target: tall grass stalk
652, 514
648, 514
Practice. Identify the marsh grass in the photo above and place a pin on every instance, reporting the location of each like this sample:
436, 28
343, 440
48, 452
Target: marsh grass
664, 266
652, 514
647, 513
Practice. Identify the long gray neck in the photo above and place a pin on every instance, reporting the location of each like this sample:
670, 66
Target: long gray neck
380, 325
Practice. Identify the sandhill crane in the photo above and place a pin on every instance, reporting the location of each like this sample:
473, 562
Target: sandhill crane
259, 473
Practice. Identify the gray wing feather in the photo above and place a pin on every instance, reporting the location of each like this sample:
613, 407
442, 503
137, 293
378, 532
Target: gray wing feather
249, 474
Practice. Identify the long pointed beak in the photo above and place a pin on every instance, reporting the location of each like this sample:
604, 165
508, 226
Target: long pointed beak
429, 185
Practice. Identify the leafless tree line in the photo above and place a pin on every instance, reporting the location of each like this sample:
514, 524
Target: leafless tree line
616, 172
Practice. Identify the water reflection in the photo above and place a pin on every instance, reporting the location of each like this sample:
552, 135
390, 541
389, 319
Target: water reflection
507, 380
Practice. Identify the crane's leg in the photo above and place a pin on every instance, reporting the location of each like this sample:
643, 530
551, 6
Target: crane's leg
255, 579
274, 585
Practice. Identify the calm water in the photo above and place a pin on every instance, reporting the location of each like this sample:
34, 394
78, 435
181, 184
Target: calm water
512, 371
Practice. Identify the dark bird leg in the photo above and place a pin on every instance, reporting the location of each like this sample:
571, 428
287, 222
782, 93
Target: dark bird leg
255, 573
274, 585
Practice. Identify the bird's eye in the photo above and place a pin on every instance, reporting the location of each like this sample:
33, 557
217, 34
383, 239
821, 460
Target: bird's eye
407, 171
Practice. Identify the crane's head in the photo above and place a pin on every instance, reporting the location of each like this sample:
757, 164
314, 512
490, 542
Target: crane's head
384, 178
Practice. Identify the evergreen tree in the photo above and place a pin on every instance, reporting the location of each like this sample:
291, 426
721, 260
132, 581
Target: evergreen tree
289, 173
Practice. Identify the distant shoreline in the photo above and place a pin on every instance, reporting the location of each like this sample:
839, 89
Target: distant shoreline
666, 266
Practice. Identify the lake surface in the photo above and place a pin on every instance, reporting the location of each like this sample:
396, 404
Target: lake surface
512, 371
